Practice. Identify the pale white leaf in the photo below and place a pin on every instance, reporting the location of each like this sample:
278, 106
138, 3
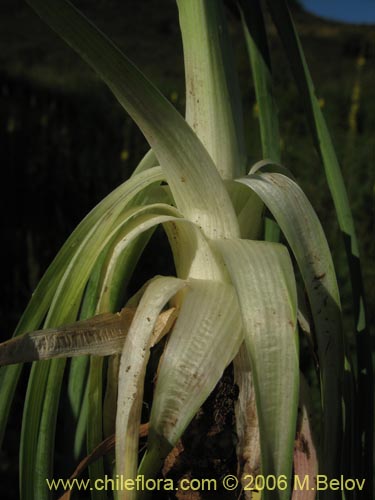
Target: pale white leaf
263, 276
303, 231
134, 358
213, 105
191, 174
204, 340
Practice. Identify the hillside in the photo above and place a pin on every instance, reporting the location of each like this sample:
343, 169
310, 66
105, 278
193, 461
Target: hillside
65, 142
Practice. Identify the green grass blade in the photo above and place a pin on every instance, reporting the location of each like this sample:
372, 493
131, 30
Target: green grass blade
77, 383
123, 254
39, 415
95, 421
148, 161
29, 440
9, 376
213, 105
263, 276
42, 297
142, 221
191, 174
257, 46
105, 294
79, 367
47, 430
289, 37
112, 295
64, 308
117, 270
323, 143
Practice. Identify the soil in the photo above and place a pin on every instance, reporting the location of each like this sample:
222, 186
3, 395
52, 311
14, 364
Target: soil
207, 449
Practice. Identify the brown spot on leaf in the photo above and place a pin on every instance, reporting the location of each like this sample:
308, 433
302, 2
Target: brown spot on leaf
319, 276
302, 445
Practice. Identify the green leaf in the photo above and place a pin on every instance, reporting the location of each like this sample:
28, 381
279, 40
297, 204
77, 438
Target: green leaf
262, 274
289, 37
94, 433
135, 223
303, 231
249, 210
80, 428
92, 403
192, 252
115, 284
41, 300
77, 409
323, 144
64, 308
78, 390
191, 174
257, 46
148, 161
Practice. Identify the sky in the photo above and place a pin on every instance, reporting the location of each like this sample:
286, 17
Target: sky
352, 11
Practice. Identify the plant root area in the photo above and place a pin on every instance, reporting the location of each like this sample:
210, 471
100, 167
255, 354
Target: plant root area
207, 449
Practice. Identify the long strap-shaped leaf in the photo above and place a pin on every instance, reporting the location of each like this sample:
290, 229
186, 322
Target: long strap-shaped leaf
305, 235
106, 292
205, 339
130, 226
323, 143
289, 37
305, 451
192, 253
213, 106
101, 335
249, 210
63, 309
101, 416
42, 297
195, 183
93, 405
263, 276
247, 425
257, 46
79, 413
134, 358
142, 222
116, 271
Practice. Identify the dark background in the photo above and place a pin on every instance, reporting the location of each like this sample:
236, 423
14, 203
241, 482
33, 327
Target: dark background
65, 142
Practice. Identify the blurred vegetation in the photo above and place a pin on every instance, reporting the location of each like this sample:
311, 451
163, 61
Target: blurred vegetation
65, 142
